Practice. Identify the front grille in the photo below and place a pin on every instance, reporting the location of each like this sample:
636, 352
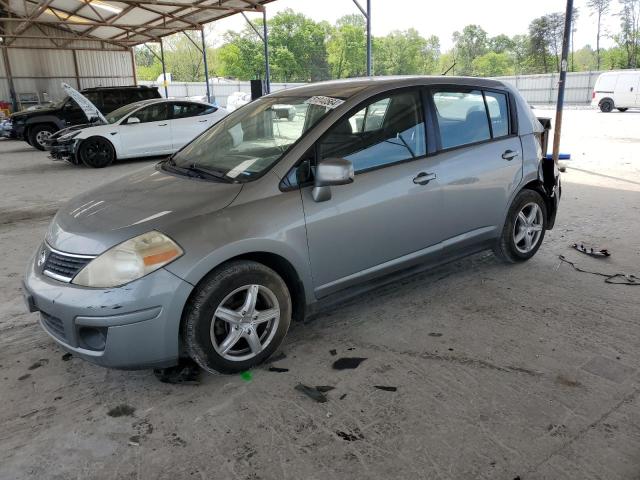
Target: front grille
63, 266
54, 325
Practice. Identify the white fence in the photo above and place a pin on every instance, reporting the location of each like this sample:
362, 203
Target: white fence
537, 89
219, 91
543, 88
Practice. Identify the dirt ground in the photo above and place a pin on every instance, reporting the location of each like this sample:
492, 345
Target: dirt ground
502, 372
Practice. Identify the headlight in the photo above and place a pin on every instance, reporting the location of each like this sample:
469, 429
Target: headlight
129, 261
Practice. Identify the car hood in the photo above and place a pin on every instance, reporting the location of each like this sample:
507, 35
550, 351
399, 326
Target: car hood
149, 199
32, 113
75, 128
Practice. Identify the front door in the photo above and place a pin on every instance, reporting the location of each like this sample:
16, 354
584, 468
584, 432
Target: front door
480, 158
151, 136
392, 210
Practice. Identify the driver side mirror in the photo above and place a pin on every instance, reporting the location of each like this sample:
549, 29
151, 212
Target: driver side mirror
132, 120
331, 171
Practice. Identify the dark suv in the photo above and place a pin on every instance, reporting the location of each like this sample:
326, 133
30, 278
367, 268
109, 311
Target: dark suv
36, 126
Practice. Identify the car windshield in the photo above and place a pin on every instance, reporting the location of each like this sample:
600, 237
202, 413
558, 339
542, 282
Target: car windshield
121, 112
250, 140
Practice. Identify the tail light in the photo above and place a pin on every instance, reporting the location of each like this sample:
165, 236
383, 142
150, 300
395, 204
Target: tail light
593, 95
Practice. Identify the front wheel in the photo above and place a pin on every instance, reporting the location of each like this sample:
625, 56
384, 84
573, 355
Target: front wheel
96, 152
39, 134
237, 317
524, 228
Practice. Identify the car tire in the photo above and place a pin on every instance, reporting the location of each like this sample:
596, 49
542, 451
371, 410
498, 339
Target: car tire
524, 228
606, 106
96, 152
216, 332
623, 109
38, 134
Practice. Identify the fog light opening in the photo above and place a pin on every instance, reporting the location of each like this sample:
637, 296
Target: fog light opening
92, 338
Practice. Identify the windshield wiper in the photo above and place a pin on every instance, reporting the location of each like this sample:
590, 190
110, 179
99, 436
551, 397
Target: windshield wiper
196, 171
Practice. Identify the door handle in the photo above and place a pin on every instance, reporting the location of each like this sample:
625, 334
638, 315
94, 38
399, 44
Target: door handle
201, 121
423, 178
162, 125
510, 155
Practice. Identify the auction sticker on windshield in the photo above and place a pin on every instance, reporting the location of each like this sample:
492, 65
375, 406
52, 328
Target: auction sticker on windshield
323, 101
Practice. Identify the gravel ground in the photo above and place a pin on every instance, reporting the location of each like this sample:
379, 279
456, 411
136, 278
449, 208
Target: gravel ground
502, 372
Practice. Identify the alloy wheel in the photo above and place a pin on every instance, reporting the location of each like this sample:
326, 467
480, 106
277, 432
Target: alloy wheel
42, 136
245, 322
527, 228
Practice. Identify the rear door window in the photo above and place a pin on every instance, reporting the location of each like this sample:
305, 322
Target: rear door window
185, 110
462, 117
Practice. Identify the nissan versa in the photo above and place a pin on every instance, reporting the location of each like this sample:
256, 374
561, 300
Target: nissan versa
260, 220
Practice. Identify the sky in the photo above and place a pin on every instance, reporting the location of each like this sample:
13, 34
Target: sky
439, 18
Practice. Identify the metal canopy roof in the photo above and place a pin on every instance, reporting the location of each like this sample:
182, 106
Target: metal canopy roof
124, 23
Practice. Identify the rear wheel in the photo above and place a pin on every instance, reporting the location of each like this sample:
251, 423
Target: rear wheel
39, 134
524, 228
237, 318
96, 152
622, 109
606, 106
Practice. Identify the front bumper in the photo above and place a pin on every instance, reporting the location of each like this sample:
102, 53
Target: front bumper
62, 150
7, 129
140, 320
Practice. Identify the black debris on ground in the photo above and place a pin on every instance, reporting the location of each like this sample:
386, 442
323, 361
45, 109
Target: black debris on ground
342, 397
312, 393
385, 388
39, 363
278, 369
350, 437
435, 334
134, 440
333, 352
348, 363
122, 410
324, 388
187, 372
24, 377
66, 357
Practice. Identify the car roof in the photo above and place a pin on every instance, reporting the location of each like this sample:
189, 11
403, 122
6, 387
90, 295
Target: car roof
151, 101
348, 87
122, 87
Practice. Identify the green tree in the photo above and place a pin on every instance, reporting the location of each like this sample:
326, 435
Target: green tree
492, 64
405, 53
629, 37
468, 45
599, 8
346, 47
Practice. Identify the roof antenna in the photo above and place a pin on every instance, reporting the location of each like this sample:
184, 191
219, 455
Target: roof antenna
448, 69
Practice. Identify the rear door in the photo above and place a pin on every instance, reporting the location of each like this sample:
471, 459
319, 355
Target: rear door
188, 121
391, 213
152, 136
480, 161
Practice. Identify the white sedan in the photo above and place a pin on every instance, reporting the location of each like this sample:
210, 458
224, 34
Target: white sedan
148, 128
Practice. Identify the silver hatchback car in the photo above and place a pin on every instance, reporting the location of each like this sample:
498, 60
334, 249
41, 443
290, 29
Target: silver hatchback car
262, 219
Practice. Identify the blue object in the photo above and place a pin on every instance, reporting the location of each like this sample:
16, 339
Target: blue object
561, 156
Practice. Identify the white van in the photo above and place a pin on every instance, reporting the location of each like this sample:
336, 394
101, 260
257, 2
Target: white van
619, 90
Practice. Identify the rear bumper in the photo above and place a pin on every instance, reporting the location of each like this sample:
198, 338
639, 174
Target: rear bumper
140, 321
